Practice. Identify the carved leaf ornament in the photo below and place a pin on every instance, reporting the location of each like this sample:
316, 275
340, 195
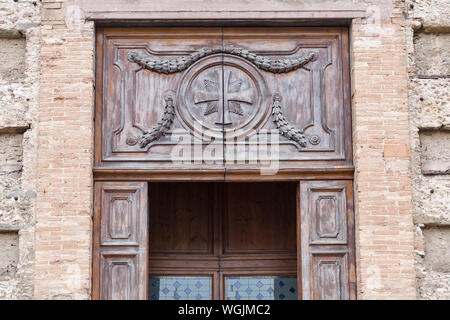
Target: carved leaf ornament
163, 125
169, 66
286, 130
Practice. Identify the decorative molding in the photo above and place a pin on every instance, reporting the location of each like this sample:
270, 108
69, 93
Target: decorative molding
169, 66
163, 125
286, 129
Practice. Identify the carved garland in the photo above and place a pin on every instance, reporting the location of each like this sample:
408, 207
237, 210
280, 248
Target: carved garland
169, 66
286, 130
163, 125
179, 64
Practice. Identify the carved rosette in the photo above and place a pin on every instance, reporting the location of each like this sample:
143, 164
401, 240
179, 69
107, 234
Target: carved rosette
179, 64
314, 140
163, 125
286, 129
222, 96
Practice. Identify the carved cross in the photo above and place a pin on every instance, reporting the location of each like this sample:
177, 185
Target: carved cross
229, 91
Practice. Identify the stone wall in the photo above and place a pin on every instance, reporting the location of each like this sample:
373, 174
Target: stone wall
19, 85
428, 39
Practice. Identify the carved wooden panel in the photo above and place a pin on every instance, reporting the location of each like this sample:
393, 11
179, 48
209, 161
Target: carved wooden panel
328, 216
119, 226
139, 123
309, 106
118, 278
178, 98
326, 240
120, 240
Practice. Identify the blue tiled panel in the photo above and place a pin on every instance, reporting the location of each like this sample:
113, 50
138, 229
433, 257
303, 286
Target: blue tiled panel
179, 288
261, 288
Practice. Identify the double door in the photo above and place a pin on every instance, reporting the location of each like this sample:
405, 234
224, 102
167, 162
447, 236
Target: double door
184, 240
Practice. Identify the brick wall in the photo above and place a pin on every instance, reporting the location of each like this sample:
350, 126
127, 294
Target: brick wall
385, 239
65, 151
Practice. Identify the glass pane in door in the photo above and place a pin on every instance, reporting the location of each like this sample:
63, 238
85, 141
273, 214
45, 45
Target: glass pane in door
180, 288
261, 288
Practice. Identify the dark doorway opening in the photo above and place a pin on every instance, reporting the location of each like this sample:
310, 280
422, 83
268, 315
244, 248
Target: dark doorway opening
223, 240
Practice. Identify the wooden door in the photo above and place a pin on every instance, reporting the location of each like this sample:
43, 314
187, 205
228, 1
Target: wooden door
221, 231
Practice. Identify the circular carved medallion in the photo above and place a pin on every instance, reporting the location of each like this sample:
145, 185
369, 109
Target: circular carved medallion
215, 97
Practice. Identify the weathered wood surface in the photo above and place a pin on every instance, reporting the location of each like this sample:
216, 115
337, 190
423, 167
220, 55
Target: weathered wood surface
156, 84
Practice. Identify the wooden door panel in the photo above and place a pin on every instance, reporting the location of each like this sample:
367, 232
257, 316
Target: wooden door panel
329, 276
181, 218
312, 101
120, 240
326, 240
118, 280
259, 218
328, 224
138, 108
119, 225
158, 88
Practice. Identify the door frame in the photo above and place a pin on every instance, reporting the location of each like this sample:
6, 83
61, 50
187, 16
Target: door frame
126, 174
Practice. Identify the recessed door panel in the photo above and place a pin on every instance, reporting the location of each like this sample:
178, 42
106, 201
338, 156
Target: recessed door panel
259, 218
308, 105
230, 233
181, 218
326, 240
